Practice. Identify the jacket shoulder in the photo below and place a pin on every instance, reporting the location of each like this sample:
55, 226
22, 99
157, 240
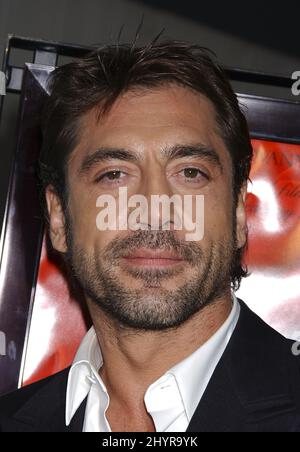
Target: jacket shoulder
264, 367
255, 386
30, 403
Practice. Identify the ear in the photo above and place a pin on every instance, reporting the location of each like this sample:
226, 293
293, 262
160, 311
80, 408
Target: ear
241, 218
56, 220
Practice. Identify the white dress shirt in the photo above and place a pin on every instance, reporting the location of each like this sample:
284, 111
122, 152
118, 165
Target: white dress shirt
171, 400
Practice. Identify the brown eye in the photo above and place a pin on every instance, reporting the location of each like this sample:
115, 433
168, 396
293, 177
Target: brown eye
112, 175
191, 173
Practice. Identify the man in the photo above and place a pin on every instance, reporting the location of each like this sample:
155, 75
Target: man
171, 348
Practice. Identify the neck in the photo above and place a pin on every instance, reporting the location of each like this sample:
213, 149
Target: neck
133, 360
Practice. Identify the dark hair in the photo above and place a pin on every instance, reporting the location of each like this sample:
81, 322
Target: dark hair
98, 79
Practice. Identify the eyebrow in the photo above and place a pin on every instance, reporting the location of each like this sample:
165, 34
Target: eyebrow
104, 155
196, 150
169, 153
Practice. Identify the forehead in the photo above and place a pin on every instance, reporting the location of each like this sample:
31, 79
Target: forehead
147, 120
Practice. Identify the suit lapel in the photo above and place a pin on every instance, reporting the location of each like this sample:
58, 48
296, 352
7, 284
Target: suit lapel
250, 385
78, 419
45, 410
220, 409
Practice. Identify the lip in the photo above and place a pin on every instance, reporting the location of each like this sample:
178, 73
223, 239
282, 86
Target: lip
153, 258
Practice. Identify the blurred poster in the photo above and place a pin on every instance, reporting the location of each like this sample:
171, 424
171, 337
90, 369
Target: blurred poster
58, 323
272, 291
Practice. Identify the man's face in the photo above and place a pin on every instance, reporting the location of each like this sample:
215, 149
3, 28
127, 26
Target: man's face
159, 142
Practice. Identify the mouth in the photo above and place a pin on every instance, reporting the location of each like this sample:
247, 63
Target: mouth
144, 257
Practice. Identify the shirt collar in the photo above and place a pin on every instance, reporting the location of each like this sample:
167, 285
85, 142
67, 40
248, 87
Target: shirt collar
87, 362
192, 375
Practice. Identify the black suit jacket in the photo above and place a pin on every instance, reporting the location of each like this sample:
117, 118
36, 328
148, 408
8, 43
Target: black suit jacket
255, 388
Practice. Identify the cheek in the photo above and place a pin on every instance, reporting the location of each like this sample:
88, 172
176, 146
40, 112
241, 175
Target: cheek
218, 216
85, 232
83, 212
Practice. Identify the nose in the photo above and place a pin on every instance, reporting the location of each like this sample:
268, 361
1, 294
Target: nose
161, 212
